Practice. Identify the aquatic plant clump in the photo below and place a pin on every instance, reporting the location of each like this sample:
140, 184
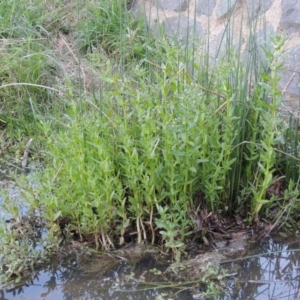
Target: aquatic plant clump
131, 168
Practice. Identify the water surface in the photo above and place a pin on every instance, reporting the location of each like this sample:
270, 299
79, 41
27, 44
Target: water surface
266, 269
271, 273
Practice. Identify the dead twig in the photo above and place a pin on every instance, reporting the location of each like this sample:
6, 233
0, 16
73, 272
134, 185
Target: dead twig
26, 153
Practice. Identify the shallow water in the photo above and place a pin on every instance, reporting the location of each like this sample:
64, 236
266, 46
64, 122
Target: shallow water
266, 269
271, 273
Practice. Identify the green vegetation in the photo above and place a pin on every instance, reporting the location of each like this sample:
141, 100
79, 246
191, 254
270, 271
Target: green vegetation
138, 134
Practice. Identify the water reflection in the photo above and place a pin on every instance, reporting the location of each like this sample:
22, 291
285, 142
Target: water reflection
12, 193
273, 275
66, 280
272, 272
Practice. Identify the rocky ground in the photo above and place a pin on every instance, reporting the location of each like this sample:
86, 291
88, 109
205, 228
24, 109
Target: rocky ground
209, 18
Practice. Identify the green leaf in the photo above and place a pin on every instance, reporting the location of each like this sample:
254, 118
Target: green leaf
193, 169
263, 201
173, 86
109, 80
203, 160
266, 77
57, 215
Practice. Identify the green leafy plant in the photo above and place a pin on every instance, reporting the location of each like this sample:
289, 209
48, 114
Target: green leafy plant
268, 100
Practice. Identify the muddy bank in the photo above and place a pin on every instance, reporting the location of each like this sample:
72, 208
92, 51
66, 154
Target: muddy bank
269, 270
